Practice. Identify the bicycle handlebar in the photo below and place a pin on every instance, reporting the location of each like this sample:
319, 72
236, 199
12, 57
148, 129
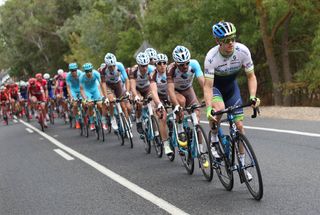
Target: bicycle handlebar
231, 109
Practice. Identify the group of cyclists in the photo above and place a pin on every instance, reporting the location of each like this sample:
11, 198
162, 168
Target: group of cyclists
152, 76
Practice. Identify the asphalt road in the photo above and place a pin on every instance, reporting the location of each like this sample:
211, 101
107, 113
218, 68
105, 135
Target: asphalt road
34, 179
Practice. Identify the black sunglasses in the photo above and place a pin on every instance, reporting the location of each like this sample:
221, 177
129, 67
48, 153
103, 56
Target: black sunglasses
87, 71
144, 65
182, 64
160, 63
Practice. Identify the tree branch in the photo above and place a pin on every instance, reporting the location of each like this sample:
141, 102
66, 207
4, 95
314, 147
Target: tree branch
276, 27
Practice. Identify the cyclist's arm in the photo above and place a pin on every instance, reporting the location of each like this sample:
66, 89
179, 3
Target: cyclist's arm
104, 88
207, 91
69, 91
252, 83
172, 94
127, 83
154, 92
198, 72
83, 93
133, 87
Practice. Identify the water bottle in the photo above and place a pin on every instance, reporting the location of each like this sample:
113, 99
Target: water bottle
226, 145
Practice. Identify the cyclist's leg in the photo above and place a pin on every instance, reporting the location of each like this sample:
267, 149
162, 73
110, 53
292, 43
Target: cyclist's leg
217, 104
182, 137
138, 115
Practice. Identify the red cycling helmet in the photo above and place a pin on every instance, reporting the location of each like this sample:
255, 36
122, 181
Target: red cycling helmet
38, 76
32, 81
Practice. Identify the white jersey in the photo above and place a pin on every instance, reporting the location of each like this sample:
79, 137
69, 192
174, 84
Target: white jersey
227, 67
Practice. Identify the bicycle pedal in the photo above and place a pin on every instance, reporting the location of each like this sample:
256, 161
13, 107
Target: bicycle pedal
181, 153
142, 137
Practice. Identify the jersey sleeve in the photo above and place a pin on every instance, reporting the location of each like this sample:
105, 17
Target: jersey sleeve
152, 77
68, 79
196, 68
208, 68
124, 75
151, 68
170, 73
247, 60
133, 73
97, 75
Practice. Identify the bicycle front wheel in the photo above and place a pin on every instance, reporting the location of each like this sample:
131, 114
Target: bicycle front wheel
222, 165
204, 157
187, 159
157, 141
251, 166
127, 129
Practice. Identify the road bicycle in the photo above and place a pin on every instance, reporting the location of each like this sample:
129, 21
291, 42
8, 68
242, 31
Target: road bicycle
124, 128
196, 137
151, 129
228, 149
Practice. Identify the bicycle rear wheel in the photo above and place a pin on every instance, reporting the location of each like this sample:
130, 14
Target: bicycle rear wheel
255, 185
222, 166
157, 140
205, 157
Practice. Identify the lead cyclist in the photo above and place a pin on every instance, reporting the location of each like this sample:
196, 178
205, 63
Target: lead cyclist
222, 64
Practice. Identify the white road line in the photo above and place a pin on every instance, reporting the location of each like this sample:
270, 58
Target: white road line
112, 175
29, 130
63, 154
274, 130
15, 121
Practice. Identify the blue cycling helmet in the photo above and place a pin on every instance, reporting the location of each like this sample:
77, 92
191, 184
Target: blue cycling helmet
87, 66
181, 54
223, 29
143, 59
73, 66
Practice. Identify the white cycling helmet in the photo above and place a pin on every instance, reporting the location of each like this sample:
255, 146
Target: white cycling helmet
110, 59
46, 76
60, 71
102, 65
162, 58
143, 59
181, 54
151, 52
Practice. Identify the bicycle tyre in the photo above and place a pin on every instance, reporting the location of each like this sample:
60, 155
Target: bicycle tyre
171, 156
86, 126
188, 160
51, 117
41, 121
27, 113
206, 171
121, 130
127, 130
101, 129
157, 140
223, 167
257, 195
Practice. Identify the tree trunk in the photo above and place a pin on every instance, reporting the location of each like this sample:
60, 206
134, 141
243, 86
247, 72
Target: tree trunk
285, 60
268, 47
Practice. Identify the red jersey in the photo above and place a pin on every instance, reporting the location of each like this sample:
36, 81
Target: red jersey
4, 95
36, 90
14, 90
43, 83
